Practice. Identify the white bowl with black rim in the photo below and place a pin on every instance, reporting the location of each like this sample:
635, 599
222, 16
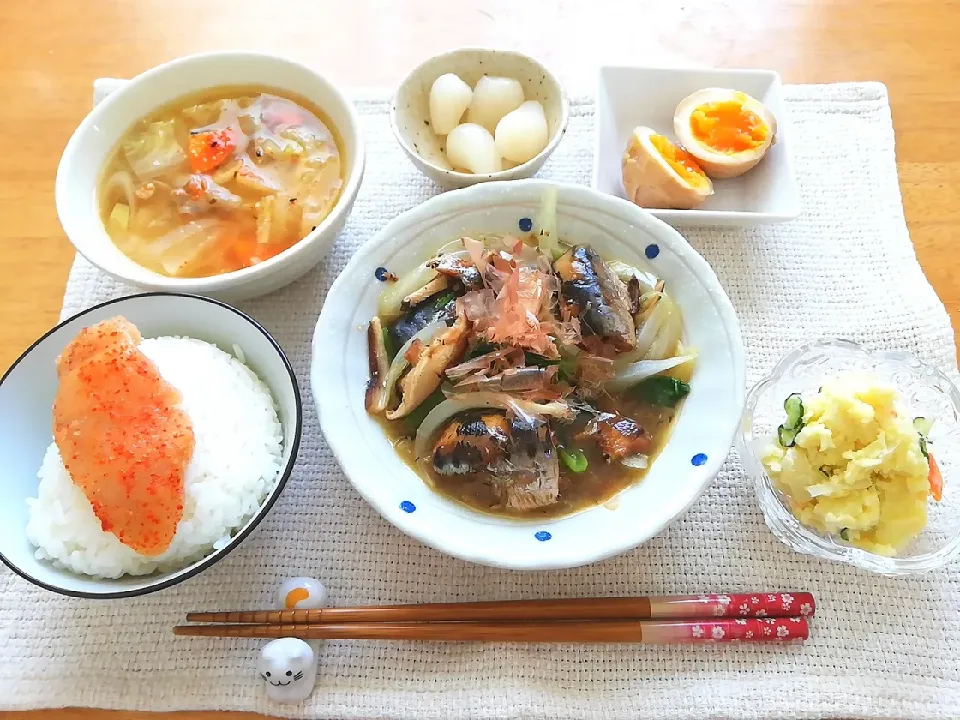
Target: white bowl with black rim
701, 437
27, 392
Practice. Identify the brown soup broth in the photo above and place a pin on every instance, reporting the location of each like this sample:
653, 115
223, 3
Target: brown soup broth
595, 486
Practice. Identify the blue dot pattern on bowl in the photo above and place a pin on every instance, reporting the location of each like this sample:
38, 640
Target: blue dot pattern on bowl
526, 224
381, 273
651, 251
699, 459
542, 535
407, 506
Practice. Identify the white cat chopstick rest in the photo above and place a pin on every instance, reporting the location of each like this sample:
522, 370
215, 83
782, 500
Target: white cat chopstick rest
289, 668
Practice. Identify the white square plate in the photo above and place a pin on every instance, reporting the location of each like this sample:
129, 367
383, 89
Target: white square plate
631, 96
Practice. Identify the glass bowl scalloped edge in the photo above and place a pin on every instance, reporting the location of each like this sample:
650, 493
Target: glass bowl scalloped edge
778, 517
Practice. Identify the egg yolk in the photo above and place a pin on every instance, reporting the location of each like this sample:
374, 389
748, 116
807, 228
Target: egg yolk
680, 160
727, 127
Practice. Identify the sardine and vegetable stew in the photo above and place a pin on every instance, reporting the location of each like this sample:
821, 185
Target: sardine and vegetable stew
525, 376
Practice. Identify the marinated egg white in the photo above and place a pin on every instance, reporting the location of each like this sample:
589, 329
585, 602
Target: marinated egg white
494, 97
471, 147
522, 133
727, 131
449, 98
658, 174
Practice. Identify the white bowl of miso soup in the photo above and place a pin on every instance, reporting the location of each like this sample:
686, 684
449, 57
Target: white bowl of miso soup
226, 174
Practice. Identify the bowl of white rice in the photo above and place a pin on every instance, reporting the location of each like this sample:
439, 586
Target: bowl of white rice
239, 392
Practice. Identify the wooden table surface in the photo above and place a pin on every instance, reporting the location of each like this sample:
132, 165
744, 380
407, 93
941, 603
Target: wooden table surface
50, 55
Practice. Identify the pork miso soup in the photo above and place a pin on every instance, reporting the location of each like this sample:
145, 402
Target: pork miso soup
220, 181
526, 376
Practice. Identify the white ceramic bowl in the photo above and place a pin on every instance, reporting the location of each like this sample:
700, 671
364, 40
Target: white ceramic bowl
27, 392
95, 139
410, 111
701, 438
631, 96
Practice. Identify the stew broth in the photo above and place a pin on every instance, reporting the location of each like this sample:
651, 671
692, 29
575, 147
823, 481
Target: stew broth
594, 486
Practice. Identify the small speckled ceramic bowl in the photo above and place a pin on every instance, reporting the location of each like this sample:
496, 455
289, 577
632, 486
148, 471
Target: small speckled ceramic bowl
410, 111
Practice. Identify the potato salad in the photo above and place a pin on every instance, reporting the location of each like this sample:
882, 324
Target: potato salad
853, 462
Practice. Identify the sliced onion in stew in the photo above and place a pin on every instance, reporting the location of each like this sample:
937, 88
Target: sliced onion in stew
632, 374
391, 298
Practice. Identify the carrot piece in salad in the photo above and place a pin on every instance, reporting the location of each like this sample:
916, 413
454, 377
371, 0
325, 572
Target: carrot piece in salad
209, 150
936, 479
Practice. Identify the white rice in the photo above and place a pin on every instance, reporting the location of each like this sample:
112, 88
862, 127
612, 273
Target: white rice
235, 465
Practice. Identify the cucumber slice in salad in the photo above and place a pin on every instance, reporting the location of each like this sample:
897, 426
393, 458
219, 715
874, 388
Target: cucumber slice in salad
794, 408
787, 433
786, 437
923, 426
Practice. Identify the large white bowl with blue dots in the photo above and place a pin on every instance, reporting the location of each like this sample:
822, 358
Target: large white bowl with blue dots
702, 436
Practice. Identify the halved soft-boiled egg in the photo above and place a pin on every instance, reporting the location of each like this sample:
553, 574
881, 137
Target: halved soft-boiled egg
727, 131
658, 174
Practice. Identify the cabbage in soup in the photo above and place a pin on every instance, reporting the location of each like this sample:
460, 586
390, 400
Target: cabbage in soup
220, 182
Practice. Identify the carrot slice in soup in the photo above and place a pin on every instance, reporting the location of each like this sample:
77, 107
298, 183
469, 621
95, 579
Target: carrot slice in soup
122, 435
209, 150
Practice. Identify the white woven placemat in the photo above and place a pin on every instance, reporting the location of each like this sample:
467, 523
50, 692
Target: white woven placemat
879, 647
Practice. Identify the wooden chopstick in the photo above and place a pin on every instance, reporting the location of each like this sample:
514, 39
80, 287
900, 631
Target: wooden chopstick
606, 608
648, 632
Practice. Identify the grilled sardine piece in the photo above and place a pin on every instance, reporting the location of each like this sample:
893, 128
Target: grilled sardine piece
425, 376
519, 454
617, 436
597, 296
453, 267
473, 442
441, 307
511, 380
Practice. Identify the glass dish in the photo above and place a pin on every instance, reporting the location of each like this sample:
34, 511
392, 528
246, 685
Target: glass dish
927, 392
